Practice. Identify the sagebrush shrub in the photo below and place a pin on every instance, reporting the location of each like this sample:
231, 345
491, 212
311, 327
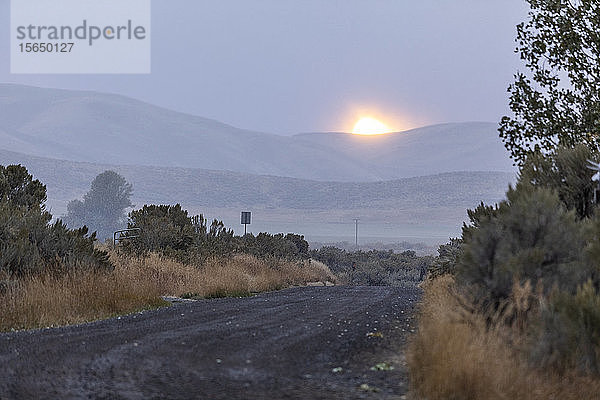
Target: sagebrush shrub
540, 239
29, 244
528, 237
169, 230
447, 259
375, 267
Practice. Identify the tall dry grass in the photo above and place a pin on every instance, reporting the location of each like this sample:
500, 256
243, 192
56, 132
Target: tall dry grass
138, 283
456, 355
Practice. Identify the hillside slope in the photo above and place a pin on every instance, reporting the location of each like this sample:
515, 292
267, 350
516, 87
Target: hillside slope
469, 146
112, 129
67, 180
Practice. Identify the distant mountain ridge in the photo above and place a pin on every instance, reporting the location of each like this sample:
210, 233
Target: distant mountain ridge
112, 129
68, 180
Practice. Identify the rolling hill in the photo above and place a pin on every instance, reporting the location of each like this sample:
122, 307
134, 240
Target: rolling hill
67, 180
111, 129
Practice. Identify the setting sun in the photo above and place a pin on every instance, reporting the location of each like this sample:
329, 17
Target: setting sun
370, 126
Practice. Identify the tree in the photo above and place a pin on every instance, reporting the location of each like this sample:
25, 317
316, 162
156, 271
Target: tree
19, 188
445, 262
103, 207
558, 102
567, 173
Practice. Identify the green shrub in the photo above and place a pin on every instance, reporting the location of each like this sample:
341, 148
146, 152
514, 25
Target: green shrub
219, 241
447, 259
528, 237
169, 230
163, 227
29, 244
375, 267
533, 261
18, 187
592, 250
290, 246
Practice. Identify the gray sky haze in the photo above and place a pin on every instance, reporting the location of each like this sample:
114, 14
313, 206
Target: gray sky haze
290, 66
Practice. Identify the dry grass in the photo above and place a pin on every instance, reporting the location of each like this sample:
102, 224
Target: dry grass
454, 356
138, 284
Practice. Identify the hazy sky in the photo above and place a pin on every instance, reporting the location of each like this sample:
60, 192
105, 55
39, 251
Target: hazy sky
289, 66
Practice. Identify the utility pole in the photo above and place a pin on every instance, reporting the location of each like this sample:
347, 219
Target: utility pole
356, 232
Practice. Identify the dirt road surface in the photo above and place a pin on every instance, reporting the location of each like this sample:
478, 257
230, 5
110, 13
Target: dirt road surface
300, 343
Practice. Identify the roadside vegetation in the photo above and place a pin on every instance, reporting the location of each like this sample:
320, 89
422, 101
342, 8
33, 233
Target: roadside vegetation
137, 283
51, 275
170, 231
511, 309
374, 267
464, 353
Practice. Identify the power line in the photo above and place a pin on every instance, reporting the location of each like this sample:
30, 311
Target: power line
356, 232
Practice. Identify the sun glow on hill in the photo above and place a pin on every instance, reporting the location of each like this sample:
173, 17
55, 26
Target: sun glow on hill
370, 126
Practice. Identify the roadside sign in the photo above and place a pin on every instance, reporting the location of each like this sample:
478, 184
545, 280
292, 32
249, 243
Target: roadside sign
246, 217
246, 220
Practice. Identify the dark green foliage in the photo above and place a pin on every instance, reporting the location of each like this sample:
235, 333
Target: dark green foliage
103, 207
557, 103
481, 215
170, 231
219, 241
74, 248
565, 171
164, 227
538, 232
592, 250
529, 236
554, 131
375, 267
21, 229
19, 188
290, 246
336, 259
301, 244
447, 259
29, 244
547, 233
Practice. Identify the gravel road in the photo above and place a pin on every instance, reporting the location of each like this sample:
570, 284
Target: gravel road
280, 345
